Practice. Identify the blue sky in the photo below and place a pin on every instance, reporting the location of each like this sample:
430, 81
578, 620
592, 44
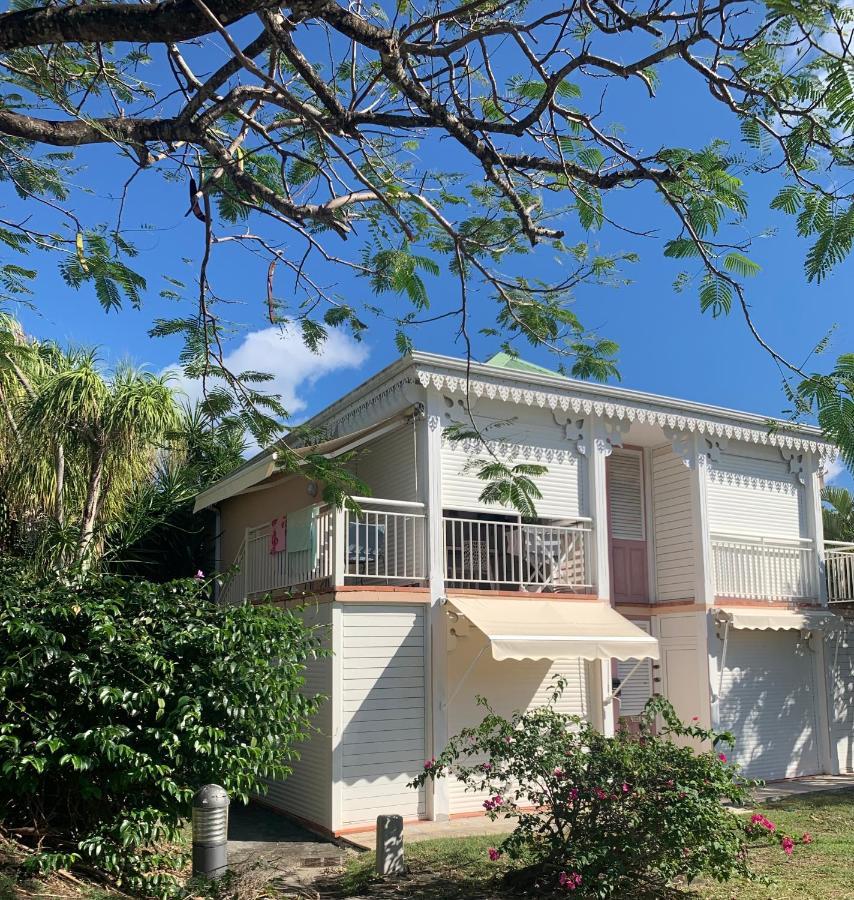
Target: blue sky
667, 346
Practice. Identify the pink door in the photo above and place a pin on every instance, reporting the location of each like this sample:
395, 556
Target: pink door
627, 527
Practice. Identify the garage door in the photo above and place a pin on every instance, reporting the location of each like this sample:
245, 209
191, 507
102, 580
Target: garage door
383, 728
768, 703
839, 655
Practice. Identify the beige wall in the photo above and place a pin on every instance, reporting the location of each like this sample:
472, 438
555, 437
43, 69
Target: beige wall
259, 508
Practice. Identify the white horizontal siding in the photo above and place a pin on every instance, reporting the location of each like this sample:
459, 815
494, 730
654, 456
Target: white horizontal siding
307, 792
560, 485
387, 465
508, 685
383, 711
839, 658
673, 527
753, 495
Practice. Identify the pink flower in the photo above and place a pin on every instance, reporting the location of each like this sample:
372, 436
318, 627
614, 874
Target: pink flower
722, 757
695, 718
761, 821
199, 576
570, 881
487, 767
429, 764
493, 803
788, 845
558, 773
600, 793
573, 794
626, 788
494, 854
806, 838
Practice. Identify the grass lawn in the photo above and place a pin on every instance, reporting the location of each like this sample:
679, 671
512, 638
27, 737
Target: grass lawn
452, 868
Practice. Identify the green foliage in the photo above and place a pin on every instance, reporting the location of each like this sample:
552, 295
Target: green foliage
606, 816
831, 398
119, 698
837, 514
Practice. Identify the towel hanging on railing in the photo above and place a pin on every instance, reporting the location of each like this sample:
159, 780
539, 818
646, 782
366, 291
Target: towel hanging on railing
279, 535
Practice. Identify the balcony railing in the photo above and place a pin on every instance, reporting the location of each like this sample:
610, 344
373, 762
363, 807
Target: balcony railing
383, 542
764, 568
839, 569
386, 541
494, 553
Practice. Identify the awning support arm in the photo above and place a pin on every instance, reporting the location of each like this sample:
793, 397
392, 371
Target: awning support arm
466, 674
723, 661
615, 693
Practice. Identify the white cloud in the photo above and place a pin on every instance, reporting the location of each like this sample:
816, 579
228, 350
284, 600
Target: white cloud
282, 353
834, 469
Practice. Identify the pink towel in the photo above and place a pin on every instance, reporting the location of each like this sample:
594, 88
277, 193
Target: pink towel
279, 535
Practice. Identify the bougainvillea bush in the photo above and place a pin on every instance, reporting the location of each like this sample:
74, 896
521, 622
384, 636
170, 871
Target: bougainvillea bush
604, 816
120, 698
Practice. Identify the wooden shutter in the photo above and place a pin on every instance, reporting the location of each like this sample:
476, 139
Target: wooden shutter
625, 496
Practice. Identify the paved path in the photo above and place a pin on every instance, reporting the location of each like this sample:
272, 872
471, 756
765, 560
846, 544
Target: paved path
264, 841
477, 825
809, 785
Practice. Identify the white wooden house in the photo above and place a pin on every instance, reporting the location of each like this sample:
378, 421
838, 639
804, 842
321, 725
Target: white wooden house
678, 549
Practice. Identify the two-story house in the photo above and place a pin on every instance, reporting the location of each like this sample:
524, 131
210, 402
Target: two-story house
677, 549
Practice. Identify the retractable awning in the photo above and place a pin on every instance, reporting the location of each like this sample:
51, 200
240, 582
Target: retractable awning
757, 619
555, 629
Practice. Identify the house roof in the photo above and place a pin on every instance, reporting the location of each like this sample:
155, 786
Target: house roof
516, 379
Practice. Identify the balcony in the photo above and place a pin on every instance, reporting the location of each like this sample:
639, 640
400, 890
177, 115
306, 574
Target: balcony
839, 569
764, 568
381, 543
499, 553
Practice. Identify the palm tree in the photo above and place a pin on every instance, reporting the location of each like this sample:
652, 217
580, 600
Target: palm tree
113, 428
838, 514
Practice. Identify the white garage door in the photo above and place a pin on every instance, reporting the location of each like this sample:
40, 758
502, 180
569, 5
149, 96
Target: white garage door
383, 727
839, 655
768, 702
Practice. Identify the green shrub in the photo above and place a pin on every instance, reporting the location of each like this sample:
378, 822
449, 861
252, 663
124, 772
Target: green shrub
119, 698
604, 816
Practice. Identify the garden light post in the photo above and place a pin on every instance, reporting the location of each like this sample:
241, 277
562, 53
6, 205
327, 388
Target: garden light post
210, 831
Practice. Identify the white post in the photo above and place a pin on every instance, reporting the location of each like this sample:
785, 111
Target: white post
704, 591
430, 480
597, 450
337, 712
340, 539
815, 526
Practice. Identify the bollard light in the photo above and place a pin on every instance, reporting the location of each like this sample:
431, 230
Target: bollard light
390, 845
210, 831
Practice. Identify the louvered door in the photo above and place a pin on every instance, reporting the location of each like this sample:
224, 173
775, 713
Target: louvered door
627, 528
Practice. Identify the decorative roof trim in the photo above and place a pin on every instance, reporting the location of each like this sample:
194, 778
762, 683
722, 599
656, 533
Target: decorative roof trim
514, 450
620, 412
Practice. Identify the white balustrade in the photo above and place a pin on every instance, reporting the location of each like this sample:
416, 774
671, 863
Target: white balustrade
503, 553
839, 569
386, 541
764, 568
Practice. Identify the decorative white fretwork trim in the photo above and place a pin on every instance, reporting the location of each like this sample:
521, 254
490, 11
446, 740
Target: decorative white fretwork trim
756, 482
622, 412
512, 450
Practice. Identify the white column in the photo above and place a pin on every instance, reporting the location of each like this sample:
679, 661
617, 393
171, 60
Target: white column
430, 482
597, 451
339, 547
814, 522
704, 590
337, 701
